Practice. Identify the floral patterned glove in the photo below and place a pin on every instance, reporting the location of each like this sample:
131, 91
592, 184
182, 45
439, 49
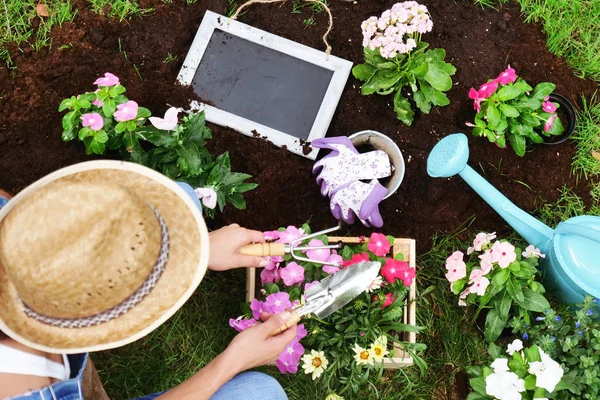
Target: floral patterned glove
359, 199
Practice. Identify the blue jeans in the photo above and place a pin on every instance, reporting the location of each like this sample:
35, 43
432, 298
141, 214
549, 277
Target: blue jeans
245, 386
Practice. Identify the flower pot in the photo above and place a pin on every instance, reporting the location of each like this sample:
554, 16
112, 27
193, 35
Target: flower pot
409, 316
369, 140
567, 115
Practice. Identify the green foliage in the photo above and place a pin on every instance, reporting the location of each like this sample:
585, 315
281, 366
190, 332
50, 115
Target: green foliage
568, 205
121, 9
423, 73
572, 338
514, 112
179, 153
587, 136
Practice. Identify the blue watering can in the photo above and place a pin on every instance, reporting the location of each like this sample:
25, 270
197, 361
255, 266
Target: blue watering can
572, 264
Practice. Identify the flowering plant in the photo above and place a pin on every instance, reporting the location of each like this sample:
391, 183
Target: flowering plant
508, 106
528, 373
107, 119
573, 339
347, 348
498, 277
395, 58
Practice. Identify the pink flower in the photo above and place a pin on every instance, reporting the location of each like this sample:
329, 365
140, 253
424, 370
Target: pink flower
507, 76
389, 300
291, 274
481, 240
126, 111
286, 366
379, 244
487, 89
546, 98
319, 254
408, 276
269, 276
107, 80
456, 267
271, 235
169, 122
301, 332
270, 264
532, 251
549, 123
330, 269
290, 357
549, 107
464, 294
335, 259
361, 239
240, 324
475, 276
309, 284
290, 234
93, 120
486, 262
257, 307
480, 286
356, 258
503, 253
276, 303
394, 269
207, 195
474, 94
97, 102
276, 259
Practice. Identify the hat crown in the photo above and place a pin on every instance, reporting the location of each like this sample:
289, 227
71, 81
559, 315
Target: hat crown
75, 249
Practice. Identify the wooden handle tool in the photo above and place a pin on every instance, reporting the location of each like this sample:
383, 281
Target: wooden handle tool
294, 319
263, 249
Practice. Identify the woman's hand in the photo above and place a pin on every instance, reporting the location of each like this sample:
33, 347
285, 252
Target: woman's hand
225, 244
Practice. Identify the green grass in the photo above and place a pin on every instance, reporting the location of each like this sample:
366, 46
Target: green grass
567, 206
587, 135
121, 9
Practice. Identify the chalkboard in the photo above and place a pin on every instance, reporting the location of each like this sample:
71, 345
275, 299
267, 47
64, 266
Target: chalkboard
261, 84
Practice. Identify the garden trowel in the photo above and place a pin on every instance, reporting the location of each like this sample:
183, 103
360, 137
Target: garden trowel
332, 293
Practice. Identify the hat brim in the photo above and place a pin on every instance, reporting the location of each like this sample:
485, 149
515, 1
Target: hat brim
185, 269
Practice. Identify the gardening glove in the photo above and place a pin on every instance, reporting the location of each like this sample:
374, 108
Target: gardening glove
359, 199
345, 164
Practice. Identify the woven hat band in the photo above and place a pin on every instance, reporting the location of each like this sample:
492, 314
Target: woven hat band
127, 304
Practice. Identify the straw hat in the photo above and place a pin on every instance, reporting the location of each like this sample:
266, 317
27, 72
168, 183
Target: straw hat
97, 255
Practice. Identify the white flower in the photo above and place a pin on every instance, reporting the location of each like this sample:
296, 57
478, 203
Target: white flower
481, 239
376, 284
548, 372
378, 349
362, 356
314, 363
504, 386
500, 365
208, 196
169, 122
532, 251
516, 345
462, 303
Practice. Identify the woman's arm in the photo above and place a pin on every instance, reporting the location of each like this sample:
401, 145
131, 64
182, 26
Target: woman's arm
250, 348
225, 244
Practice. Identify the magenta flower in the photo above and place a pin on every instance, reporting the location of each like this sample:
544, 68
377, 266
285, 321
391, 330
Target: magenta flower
276, 303
107, 80
389, 300
93, 120
309, 284
301, 332
503, 253
271, 235
285, 366
269, 276
394, 269
549, 123
291, 274
290, 234
549, 107
257, 307
240, 324
290, 357
276, 259
487, 89
507, 76
319, 254
474, 95
356, 258
408, 276
271, 265
336, 259
378, 244
126, 111
97, 102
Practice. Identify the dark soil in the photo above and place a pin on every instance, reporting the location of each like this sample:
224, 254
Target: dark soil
480, 43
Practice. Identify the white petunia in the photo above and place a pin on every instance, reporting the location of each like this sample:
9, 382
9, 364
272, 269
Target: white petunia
504, 386
500, 365
548, 372
532, 251
516, 345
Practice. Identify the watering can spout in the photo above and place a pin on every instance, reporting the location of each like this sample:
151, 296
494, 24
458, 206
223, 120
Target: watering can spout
449, 157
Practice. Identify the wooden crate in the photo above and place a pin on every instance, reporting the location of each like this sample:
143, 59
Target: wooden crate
404, 246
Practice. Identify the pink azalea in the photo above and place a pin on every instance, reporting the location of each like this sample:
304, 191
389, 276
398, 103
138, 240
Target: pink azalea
318, 254
503, 253
241, 324
474, 94
356, 258
456, 267
107, 80
270, 276
486, 262
291, 274
394, 269
379, 244
93, 120
487, 89
257, 307
549, 107
276, 303
309, 284
507, 76
271, 235
389, 300
97, 102
549, 123
126, 111
408, 276
169, 122
481, 240
290, 234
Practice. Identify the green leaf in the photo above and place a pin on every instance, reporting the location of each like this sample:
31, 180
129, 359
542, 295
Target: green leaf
458, 285
513, 287
381, 81
403, 110
527, 118
68, 135
437, 78
100, 136
66, 103
133, 149
532, 354
508, 93
494, 350
156, 136
93, 146
237, 200
401, 328
542, 90
420, 70
509, 111
556, 128
68, 121
189, 159
493, 115
528, 103
374, 58
530, 382
435, 96
518, 143
437, 54
109, 107
501, 277
477, 396
478, 385
533, 301
422, 102
363, 72
143, 113
524, 86
120, 127
271, 288
494, 325
503, 304
84, 132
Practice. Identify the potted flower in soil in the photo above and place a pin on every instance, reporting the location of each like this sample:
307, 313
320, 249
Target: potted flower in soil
498, 277
355, 344
106, 118
528, 373
396, 58
509, 109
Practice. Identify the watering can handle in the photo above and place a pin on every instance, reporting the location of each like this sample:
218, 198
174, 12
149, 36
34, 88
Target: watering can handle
579, 230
